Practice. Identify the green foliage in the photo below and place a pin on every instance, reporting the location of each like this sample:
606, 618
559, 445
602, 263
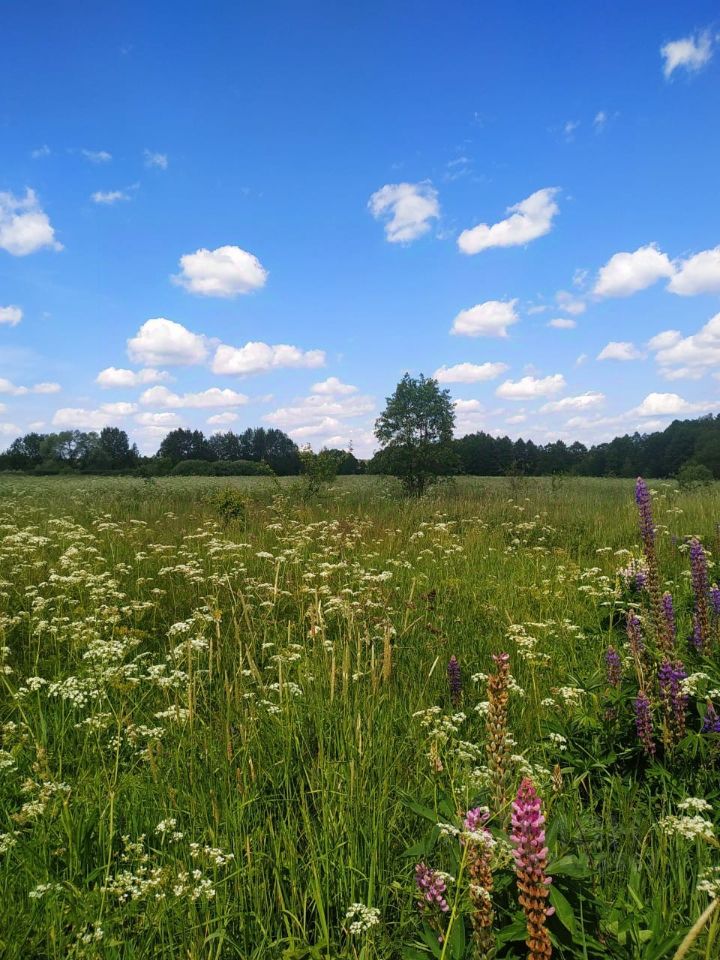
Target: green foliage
318, 470
694, 475
221, 468
230, 503
415, 432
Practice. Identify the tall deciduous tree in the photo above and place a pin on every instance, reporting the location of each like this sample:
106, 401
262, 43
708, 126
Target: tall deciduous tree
415, 431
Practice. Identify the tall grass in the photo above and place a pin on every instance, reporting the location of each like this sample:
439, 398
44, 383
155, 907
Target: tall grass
257, 678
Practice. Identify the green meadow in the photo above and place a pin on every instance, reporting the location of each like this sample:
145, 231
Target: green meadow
226, 717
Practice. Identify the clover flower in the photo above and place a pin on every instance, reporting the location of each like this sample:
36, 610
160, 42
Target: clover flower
531, 857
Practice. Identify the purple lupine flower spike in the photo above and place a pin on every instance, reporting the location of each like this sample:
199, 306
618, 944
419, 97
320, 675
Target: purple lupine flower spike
644, 724
454, 680
531, 858
701, 589
613, 665
673, 699
644, 503
635, 635
669, 615
432, 888
711, 723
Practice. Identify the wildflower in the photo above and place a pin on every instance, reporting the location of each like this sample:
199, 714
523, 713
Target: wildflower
454, 681
647, 534
635, 635
613, 665
644, 724
432, 887
498, 747
362, 918
669, 615
674, 701
710, 882
711, 723
480, 845
699, 576
530, 853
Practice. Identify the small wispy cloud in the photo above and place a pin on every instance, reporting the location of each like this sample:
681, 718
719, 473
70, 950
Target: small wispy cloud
158, 160
690, 53
108, 197
97, 156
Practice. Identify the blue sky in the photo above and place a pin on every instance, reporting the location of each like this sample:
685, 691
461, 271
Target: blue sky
226, 215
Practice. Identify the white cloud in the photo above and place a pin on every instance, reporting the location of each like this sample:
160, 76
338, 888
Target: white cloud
690, 357
691, 53
488, 319
97, 156
224, 272
470, 372
213, 397
11, 315
152, 159
8, 429
160, 341
258, 357
562, 323
406, 208
118, 377
600, 120
108, 196
78, 418
570, 128
668, 404
468, 406
43, 151
317, 413
24, 225
6, 386
584, 401
160, 420
119, 409
529, 387
516, 418
570, 303
222, 419
626, 273
619, 350
333, 387
697, 274
528, 220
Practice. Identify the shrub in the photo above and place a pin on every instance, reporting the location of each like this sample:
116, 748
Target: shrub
694, 475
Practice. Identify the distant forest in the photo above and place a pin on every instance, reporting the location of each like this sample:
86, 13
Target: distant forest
261, 451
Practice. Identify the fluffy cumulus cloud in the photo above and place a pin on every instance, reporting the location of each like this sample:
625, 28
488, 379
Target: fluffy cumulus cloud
562, 323
698, 274
222, 419
620, 350
160, 422
24, 225
470, 372
7, 386
669, 405
489, 319
258, 357
213, 397
528, 388
585, 401
528, 220
690, 53
626, 273
11, 315
333, 387
78, 418
328, 420
680, 357
224, 272
406, 208
160, 341
112, 377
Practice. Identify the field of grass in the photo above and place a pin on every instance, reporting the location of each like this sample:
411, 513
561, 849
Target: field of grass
226, 718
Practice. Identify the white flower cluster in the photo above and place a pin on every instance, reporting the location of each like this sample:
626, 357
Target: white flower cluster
689, 828
710, 882
362, 918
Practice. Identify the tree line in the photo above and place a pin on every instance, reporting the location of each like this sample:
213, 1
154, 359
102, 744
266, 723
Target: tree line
415, 433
